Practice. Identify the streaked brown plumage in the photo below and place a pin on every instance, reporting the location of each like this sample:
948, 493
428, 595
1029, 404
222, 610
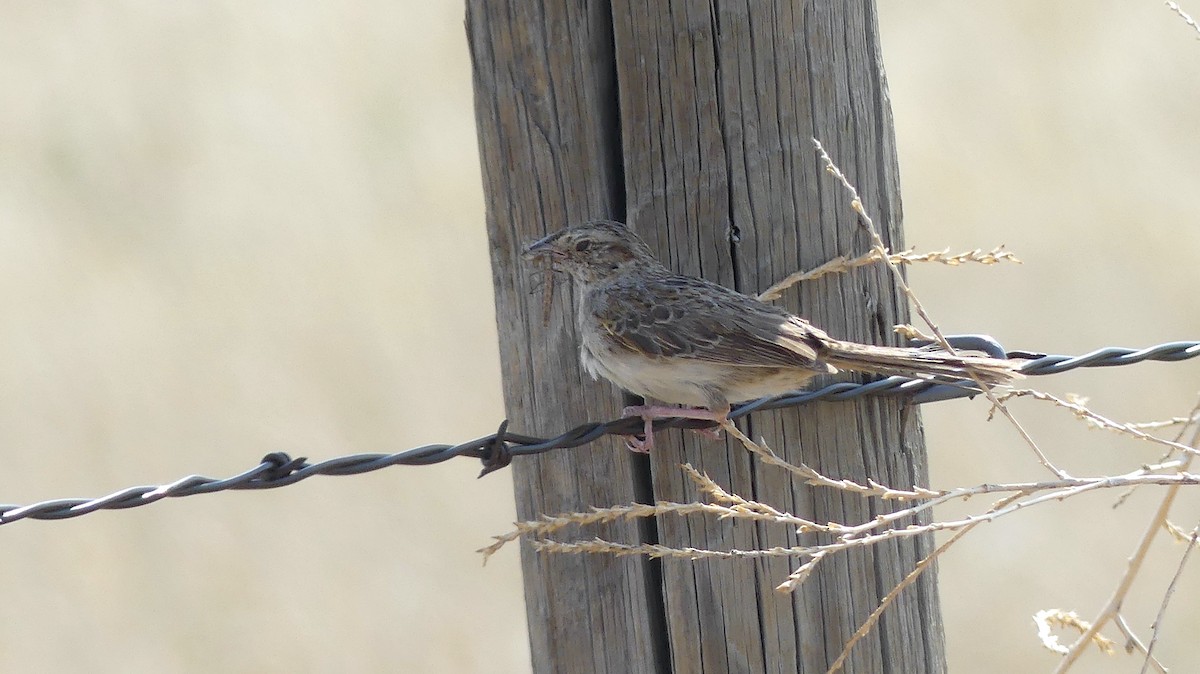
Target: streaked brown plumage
691, 342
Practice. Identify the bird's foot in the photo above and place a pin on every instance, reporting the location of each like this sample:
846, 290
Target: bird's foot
648, 413
644, 444
635, 444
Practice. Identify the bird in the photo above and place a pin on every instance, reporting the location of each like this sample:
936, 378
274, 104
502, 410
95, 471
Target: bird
687, 341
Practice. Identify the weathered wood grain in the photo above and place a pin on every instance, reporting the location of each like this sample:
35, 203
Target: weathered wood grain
547, 129
692, 121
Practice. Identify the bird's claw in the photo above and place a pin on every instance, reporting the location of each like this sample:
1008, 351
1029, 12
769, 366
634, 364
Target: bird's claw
644, 444
635, 444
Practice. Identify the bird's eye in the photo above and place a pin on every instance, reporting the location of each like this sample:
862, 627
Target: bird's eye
582, 246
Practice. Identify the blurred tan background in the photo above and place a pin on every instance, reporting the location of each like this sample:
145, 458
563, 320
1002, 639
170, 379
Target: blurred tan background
234, 228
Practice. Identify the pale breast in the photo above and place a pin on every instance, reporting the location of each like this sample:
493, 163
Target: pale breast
668, 380
686, 381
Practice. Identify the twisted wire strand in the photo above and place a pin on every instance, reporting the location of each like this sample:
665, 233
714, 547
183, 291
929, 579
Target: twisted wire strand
498, 449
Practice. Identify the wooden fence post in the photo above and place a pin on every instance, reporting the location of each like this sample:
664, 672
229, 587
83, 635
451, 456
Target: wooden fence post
693, 122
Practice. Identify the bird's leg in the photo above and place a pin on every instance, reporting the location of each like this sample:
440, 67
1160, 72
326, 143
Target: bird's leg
649, 413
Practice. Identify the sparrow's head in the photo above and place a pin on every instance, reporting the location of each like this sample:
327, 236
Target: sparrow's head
596, 251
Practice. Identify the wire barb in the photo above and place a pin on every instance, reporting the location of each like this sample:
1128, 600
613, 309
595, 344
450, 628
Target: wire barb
498, 455
498, 450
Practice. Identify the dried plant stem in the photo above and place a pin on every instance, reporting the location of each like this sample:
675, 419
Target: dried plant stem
1156, 627
1177, 532
600, 546
931, 498
879, 529
816, 479
865, 629
1184, 15
1135, 564
1132, 642
848, 536
857, 205
1193, 417
552, 523
1048, 618
1165, 423
842, 264
1097, 420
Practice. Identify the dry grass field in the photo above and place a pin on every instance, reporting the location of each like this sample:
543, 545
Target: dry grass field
231, 228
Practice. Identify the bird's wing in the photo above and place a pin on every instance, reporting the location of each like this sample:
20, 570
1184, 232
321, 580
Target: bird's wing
683, 317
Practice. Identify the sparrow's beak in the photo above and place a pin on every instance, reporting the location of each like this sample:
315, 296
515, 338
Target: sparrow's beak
541, 248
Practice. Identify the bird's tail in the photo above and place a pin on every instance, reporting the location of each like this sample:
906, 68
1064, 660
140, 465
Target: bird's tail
920, 363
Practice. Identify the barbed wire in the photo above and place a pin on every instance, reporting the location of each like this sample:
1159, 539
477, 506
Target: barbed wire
498, 449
